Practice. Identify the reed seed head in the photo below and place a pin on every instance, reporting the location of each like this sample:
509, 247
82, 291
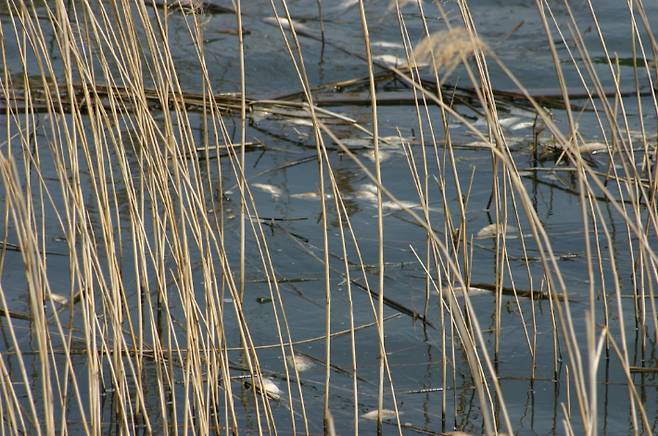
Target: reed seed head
447, 49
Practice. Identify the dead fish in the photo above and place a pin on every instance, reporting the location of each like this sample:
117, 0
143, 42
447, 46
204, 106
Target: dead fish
274, 191
392, 60
59, 299
383, 155
386, 44
373, 414
299, 27
492, 230
301, 362
270, 388
472, 291
310, 196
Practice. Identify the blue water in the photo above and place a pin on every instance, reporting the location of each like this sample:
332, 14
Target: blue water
513, 30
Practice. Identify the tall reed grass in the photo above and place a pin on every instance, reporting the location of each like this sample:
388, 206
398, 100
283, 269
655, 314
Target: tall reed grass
126, 283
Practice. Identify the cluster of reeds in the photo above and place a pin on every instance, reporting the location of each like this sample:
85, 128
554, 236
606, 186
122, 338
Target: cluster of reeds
125, 267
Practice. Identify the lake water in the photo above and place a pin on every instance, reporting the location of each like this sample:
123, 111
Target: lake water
283, 178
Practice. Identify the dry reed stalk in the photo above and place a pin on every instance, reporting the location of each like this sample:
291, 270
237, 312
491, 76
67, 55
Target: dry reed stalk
380, 219
149, 269
450, 228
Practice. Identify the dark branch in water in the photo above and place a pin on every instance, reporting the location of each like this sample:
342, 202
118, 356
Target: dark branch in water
537, 295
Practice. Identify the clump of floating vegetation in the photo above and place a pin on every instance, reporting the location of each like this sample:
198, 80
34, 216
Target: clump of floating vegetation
305, 217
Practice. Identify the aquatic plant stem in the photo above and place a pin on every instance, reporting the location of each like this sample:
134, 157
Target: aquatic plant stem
380, 216
243, 139
298, 63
